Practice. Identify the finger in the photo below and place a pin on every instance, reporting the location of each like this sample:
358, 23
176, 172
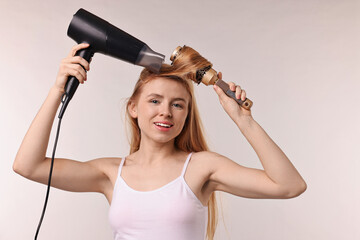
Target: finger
76, 48
77, 75
238, 92
77, 71
232, 86
81, 61
243, 95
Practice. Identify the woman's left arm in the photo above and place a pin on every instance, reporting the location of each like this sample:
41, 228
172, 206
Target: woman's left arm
279, 179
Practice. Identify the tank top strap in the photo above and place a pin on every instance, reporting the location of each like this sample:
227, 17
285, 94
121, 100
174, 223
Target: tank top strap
121, 165
185, 165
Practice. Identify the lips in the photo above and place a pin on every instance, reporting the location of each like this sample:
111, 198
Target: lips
163, 124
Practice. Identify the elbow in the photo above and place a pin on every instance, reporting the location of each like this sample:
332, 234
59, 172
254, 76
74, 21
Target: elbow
292, 191
20, 169
16, 167
296, 190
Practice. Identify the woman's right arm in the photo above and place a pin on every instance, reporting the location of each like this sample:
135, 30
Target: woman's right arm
31, 161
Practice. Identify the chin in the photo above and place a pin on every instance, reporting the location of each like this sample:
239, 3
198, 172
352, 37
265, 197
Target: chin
164, 140
162, 137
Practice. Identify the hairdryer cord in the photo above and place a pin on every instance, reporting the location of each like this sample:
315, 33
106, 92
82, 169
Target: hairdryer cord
49, 181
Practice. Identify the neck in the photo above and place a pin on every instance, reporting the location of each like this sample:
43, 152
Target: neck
152, 153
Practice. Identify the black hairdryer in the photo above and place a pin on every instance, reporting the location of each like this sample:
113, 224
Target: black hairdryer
105, 38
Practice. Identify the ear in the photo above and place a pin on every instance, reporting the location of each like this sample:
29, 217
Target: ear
132, 108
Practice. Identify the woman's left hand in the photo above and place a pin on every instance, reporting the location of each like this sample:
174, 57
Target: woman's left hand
232, 108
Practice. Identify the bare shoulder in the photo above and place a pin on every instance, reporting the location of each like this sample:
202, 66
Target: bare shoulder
218, 168
205, 162
207, 159
104, 162
107, 165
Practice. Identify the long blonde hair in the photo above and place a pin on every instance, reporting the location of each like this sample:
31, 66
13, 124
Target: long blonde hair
191, 138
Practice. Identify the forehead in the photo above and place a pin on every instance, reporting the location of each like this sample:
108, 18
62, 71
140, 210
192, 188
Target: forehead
167, 88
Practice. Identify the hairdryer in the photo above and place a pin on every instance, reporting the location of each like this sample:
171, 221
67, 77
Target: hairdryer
105, 38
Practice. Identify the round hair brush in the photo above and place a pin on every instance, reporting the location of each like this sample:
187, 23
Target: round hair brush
205, 74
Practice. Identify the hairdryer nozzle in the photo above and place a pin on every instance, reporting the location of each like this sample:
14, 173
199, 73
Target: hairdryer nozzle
150, 59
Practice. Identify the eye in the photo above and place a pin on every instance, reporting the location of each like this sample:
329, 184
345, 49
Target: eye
177, 105
154, 101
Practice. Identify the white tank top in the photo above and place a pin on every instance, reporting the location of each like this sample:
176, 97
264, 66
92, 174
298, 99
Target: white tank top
170, 212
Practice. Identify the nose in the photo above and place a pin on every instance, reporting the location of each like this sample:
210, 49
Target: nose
166, 111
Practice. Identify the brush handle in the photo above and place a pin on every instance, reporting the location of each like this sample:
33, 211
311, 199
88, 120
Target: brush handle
225, 87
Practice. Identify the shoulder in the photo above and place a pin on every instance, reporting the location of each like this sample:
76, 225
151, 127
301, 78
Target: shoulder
104, 162
214, 164
207, 160
205, 156
107, 165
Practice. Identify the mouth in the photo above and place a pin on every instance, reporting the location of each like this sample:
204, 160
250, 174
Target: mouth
163, 125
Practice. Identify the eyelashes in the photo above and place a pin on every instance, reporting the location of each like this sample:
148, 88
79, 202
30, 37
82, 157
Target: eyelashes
176, 105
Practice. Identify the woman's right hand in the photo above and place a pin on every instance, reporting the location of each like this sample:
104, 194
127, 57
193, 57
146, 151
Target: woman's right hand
72, 66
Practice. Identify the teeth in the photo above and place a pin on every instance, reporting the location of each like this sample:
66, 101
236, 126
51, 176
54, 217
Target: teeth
163, 125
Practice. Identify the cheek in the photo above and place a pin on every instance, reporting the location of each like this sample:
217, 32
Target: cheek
145, 115
182, 120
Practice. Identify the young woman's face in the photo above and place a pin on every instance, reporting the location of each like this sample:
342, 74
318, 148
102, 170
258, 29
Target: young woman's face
161, 109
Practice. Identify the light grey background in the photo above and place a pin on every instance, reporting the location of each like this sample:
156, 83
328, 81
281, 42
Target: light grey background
298, 61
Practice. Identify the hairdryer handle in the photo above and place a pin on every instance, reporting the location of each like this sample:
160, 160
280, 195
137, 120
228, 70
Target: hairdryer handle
225, 87
72, 82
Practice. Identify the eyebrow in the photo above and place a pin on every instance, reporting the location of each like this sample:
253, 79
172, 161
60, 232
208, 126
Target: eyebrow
160, 96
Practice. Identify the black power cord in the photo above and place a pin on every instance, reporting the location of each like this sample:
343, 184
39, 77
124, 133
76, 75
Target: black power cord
49, 181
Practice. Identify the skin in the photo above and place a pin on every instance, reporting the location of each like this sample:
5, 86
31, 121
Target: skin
161, 100
158, 162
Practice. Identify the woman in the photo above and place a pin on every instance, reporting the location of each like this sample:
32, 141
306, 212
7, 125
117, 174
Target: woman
157, 192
